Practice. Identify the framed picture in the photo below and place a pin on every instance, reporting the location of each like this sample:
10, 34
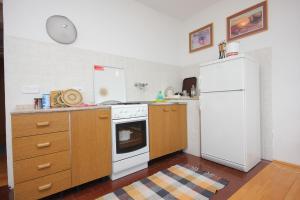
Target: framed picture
247, 22
201, 38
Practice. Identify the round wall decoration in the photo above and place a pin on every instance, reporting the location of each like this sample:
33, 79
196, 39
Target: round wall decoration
61, 29
71, 97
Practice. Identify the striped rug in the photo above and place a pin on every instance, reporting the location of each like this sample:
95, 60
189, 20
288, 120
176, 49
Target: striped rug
177, 182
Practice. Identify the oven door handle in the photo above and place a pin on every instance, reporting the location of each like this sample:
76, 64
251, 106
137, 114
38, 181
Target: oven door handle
122, 121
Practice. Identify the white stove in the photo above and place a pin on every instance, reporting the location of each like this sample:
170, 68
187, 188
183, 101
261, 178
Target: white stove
130, 138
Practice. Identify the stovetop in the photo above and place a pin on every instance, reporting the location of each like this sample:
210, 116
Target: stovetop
128, 103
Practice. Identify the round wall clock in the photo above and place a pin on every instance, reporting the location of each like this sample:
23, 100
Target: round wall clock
61, 29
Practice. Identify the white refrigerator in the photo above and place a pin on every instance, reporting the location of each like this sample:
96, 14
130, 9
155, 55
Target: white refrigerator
230, 112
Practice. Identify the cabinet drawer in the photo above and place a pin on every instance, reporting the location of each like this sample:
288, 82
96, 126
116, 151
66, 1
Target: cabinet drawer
32, 146
44, 186
41, 166
34, 124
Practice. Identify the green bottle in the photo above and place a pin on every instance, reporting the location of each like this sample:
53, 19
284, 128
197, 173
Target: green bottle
160, 96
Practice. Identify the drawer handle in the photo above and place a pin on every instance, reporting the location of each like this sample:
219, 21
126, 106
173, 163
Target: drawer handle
166, 110
174, 110
103, 117
41, 124
45, 187
44, 166
43, 145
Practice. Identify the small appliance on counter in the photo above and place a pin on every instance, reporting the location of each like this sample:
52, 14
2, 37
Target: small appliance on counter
169, 92
187, 85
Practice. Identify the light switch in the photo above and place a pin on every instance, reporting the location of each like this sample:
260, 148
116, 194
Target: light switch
31, 89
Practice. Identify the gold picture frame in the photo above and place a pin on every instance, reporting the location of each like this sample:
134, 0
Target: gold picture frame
201, 38
248, 22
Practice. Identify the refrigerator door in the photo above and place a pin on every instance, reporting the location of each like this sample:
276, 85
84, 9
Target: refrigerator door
228, 75
222, 126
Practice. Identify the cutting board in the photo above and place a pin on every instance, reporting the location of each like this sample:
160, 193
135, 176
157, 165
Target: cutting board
109, 84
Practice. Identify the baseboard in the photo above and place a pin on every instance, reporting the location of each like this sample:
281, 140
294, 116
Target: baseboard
287, 164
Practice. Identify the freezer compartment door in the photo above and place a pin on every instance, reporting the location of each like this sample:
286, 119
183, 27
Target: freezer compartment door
223, 76
222, 125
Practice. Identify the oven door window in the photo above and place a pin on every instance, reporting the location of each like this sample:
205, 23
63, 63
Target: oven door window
130, 136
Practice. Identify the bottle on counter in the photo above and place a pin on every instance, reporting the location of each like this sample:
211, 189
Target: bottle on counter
193, 91
160, 96
38, 103
46, 101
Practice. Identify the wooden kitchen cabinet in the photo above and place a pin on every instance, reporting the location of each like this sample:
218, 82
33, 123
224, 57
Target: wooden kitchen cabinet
167, 129
91, 145
41, 154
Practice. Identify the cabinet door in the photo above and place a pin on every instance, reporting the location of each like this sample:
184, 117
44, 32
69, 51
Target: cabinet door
91, 145
167, 129
182, 129
174, 132
158, 129
178, 128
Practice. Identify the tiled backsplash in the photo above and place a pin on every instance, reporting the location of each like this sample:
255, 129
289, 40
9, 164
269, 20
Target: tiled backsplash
54, 66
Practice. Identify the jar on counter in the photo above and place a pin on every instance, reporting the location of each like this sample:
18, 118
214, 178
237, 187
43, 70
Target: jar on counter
46, 101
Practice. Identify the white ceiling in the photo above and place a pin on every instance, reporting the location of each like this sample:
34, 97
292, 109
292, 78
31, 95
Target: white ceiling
181, 9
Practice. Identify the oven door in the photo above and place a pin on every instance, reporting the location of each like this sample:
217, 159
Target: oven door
129, 137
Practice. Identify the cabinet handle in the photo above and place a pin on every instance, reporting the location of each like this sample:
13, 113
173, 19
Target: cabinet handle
166, 110
45, 187
42, 145
174, 109
44, 166
103, 117
41, 124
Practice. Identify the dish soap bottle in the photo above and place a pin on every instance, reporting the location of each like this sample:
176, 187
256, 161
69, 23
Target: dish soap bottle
160, 96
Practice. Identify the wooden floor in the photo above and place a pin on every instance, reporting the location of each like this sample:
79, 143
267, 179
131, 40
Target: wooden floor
276, 181
100, 187
3, 171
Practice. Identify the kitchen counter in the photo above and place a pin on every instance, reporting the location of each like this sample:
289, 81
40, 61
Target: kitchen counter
160, 103
183, 98
65, 109
29, 109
